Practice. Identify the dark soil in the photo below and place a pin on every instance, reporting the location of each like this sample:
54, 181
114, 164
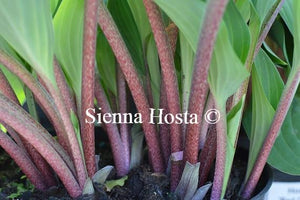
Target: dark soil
141, 183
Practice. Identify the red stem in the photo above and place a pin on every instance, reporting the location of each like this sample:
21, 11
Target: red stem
122, 96
36, 135
88, 82
22, 160
170, 81
41, 95
122, 54
208, 155
213, 17
164, 129
282, 109
40, 163
204, 126
113, 133
64, 88
220, 155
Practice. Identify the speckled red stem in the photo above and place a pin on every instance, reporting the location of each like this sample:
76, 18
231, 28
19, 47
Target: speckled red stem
208, 155
75, 153
122, 96
282, 109
33, 133
204, 125
116, 143
167, 68
199, 89
40, 163
221, 127
64, 88
88, 82
122, 54
172, 32
41, 95
57, 115
23, 161
170, 81
164, 129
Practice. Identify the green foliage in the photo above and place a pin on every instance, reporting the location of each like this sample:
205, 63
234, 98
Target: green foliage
30, 33
68, 31
124, 20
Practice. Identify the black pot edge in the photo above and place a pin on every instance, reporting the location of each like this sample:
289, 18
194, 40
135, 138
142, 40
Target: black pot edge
263, 194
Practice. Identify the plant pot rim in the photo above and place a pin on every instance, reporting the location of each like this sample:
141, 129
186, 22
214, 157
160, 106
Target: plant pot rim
268, 173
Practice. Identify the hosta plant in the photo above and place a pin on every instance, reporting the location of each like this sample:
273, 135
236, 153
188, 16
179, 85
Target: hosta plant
83, 61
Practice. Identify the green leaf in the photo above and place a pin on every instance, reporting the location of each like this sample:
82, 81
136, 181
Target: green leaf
262, 116
269, 77
124, 20
27, 27
68, 30
237, 30
263, 7
233, 121
296, 61
15, 83
112, 183
244, 8
273, 56
141, 19
226, 72
286, 13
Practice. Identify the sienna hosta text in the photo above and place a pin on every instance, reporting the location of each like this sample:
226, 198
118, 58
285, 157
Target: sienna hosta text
156, 117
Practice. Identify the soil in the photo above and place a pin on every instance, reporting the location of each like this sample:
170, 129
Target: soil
141, 183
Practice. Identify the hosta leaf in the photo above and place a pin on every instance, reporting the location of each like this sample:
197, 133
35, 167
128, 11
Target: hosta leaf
237, 30
262, 115
244, 8
273, 56
68, 30
233, 121
286, 13
285, 154
27, 27
15, 83
296, 61
13, 80
124, 20
269, 77
140, 16
227, 71
263, 7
